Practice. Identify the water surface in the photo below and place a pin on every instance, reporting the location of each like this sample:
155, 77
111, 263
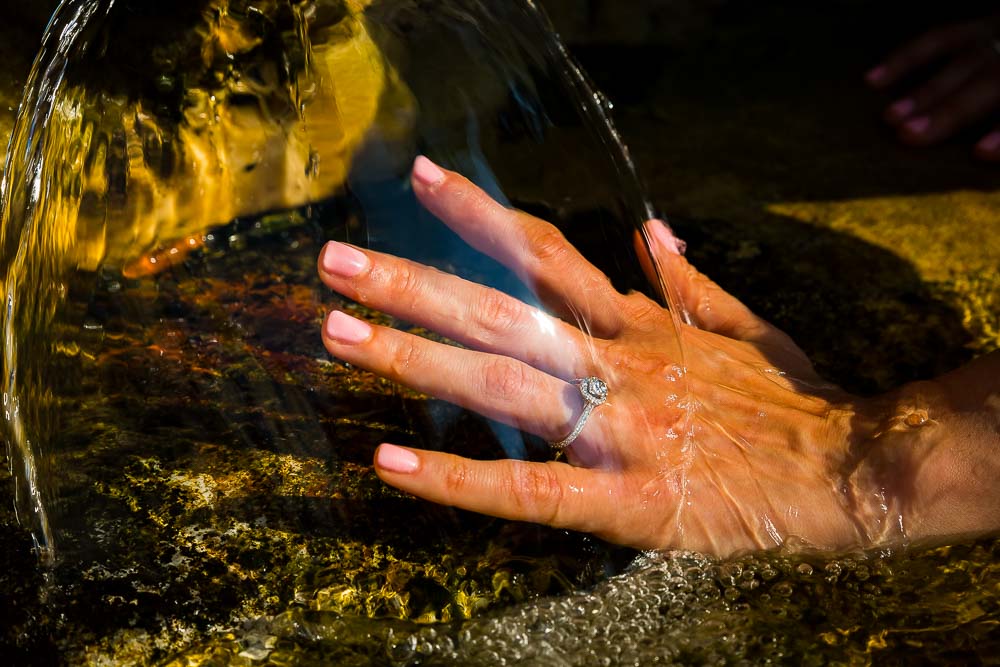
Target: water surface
236, 539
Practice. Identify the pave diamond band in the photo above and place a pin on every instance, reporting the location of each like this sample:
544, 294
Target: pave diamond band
594, 392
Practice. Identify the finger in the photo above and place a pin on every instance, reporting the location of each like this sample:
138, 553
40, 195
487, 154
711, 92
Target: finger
988, 147
533, 249
555, 494
495, 386
970, 104
476, 316
938, 88
708, 306
922, 51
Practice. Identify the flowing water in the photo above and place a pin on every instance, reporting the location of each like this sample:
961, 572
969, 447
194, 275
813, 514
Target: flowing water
238, 114
195, 470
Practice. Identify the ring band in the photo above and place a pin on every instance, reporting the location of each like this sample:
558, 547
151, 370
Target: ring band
594, 391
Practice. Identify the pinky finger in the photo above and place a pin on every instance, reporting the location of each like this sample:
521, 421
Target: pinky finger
551, 493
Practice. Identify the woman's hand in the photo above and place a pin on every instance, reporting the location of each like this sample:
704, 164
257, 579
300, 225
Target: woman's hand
963, 88
717, 436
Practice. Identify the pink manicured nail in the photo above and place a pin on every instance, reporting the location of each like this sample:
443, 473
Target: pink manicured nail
876, 75
902, 109
426, 172
343, 260
918, 125
343, 328
990, 143
664, 237
396, 459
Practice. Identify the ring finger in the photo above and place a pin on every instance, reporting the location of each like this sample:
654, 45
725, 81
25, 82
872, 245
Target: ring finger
938, 88
973, 102
480, 317
495, 386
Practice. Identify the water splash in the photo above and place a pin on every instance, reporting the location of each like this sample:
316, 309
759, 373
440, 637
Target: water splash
25, 245
134, 183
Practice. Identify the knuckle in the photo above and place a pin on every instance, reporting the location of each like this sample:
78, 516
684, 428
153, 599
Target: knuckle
403, 358
497, 314
505, 380
750, 329
456, 480
641, 312
393, 279
404, 279
547, 243
930, 42
619, 352
628, 361
708, 307
536, 492
481, 204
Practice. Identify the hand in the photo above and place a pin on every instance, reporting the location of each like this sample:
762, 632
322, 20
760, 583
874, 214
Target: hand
718, 436
964, 88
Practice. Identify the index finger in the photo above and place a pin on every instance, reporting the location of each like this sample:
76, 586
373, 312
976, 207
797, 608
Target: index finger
533, 249
922, 51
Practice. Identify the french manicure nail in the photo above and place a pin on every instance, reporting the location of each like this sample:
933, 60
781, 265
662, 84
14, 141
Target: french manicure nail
343, 260
343, 328
918, 125
990, 143
426, 172
902, 108
396, 459
664, 237
876, 75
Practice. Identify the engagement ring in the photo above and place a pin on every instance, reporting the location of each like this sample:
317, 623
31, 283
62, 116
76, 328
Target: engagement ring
594, 392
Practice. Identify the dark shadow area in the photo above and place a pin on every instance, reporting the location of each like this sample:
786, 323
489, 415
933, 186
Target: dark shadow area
773, 94
767, 106
862, 314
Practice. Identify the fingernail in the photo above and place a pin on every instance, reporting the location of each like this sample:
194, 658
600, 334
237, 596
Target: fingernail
664, 237
990, 143
918, 125
343, 328
876, 75
396, 459
343, 260
426, 172
902, 109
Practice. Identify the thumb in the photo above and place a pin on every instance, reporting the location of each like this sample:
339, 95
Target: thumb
705, 304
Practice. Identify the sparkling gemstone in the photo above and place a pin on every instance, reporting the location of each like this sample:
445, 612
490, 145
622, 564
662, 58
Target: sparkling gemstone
595, 390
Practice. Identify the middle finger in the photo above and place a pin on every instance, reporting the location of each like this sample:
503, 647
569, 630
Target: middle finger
495, 386
535, 250
940, 87
477, 316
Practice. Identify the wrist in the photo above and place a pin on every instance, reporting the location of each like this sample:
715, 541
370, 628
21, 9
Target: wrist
928, 466
898, 439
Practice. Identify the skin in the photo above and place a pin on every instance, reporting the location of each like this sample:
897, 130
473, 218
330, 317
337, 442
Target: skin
959, 69
718, 436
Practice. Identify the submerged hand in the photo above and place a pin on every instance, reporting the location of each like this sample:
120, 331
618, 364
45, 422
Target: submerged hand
718, 437
963, 87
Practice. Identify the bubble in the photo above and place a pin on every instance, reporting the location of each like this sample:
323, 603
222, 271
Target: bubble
783, 589
401, 649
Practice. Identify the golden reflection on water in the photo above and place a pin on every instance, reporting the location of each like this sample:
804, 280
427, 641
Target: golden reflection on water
950, 238
250, 138
384, 601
